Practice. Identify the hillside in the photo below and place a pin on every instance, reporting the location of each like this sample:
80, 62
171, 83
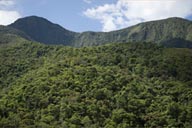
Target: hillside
9, 34
42, 30
115, 86
171, 32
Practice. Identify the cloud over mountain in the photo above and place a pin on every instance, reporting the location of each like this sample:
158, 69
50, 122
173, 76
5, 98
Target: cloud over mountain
125, 13
7, 12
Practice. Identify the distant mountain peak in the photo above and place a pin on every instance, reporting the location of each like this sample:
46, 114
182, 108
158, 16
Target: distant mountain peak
34, 20
42, 30
31, 19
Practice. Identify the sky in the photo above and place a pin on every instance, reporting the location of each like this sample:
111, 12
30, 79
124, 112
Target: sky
95, 15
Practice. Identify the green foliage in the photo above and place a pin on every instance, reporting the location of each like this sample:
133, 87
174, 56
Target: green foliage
112, 86
9, 34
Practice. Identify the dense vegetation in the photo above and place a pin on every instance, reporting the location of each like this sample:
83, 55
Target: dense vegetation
8, 34
172, 32
112, 86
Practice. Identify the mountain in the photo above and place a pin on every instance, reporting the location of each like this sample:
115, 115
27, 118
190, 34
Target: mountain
171, 32
42, 30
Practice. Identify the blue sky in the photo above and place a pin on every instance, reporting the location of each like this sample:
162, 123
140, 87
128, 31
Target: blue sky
67, 13
95, 15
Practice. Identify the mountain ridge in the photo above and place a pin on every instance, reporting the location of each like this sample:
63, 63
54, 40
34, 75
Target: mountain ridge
175, 30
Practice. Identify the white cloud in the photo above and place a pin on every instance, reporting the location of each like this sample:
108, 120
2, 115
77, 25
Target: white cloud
7, 13
125, 13
7, 17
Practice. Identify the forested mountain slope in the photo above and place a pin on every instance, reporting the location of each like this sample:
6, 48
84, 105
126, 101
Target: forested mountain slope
9, 34
42, 30
171, 32
116, 86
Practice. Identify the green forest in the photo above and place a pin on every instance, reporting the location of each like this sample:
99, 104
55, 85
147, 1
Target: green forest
122, 85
